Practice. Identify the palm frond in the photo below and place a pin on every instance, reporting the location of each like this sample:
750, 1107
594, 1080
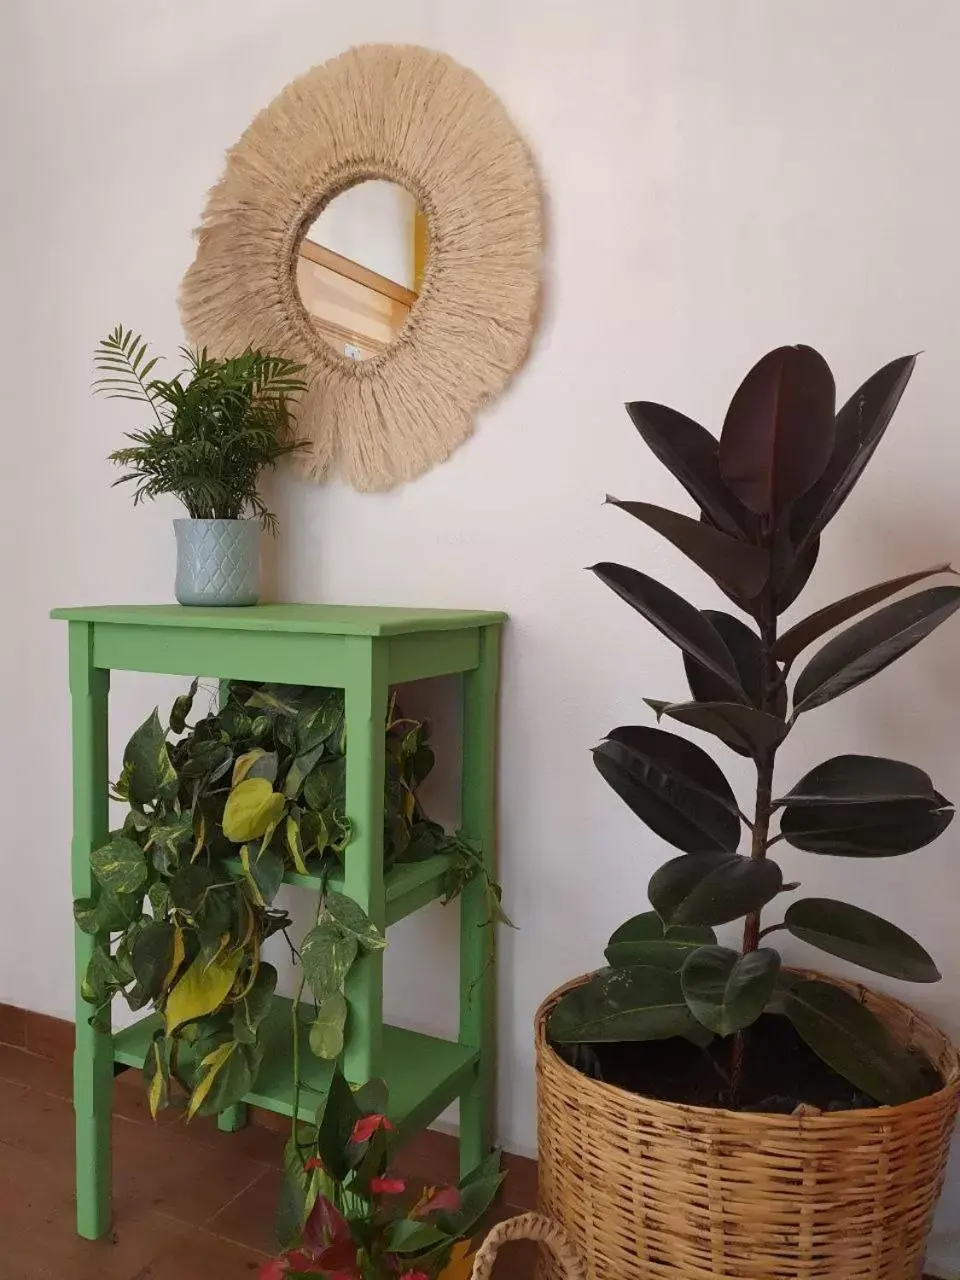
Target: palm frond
220, 424
122, 357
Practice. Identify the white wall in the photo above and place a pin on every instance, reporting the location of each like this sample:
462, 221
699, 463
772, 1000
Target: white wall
721, 178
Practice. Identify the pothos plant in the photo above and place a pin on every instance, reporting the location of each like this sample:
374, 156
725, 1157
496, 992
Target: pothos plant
218, 813
783, 466
346, 1216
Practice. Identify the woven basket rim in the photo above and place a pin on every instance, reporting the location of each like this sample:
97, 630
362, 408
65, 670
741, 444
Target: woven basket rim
756, 1119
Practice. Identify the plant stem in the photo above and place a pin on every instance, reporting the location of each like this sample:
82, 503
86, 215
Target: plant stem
295, 1011
764, 804
758, 842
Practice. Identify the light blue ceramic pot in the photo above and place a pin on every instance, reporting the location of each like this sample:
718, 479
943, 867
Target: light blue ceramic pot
218, 561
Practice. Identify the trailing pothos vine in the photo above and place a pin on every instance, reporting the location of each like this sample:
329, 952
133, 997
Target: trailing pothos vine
219, 812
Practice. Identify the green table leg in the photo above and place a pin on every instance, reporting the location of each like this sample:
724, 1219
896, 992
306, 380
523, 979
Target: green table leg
366, 696
477, 972
93, 1056
233, 1118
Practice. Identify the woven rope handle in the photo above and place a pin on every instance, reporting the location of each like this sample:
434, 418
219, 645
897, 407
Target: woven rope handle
529, 1226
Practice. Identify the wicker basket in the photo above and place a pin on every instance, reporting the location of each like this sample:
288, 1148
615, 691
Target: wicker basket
565, 1260
651, 1189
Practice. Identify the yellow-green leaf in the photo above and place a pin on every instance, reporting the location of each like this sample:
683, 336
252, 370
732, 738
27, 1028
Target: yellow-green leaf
199, 835
252, 806
326, 1034
214, 1062
148, 772
120, 865
158, 1082
176, 959
243, 764
295, 845
201, 990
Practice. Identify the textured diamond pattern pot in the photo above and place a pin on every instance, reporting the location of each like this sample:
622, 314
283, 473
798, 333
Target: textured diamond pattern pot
218, 561
651, 1190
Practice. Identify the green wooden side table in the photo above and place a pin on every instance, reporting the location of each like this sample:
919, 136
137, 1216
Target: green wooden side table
364, 651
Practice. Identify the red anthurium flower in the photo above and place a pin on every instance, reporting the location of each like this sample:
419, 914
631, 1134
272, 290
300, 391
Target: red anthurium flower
437, 1200
313, 1163
299, 1261
275, 1269
367, 1126
339, 1257
296, 1260
387, 1186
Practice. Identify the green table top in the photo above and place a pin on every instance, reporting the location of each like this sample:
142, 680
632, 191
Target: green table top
321, 619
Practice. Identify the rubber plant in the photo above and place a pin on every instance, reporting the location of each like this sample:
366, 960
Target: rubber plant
218, 813
345, 1214
784, 464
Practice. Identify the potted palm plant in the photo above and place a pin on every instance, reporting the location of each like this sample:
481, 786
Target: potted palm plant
704, 1110
216, 426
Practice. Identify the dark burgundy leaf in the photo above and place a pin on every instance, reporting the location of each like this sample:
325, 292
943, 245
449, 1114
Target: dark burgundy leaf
326, 1225
671, 785
744, 646
744, 728
690, 453
643, 940
877, 829
798, 576
341, 1256
853, 934
734, 565
637, 1003
674, 617
778, 434
851, 1039
727, 991
869, 646
860, 427
712, 888
854, 779
667, 953
818, 624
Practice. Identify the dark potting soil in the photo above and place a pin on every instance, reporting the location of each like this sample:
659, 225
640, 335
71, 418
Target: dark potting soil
780, 1072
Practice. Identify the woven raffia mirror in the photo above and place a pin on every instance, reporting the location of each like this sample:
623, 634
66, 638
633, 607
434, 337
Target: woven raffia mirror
412, 117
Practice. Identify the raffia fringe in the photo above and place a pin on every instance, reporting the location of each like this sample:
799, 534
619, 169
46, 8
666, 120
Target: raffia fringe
417, 118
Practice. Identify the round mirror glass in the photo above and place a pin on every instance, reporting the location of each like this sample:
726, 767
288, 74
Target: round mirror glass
360, 267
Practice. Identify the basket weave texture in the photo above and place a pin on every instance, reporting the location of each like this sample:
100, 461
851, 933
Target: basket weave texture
529, 1226
649, 1189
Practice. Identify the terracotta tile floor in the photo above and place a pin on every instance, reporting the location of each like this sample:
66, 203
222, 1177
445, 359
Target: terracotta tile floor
190, 1203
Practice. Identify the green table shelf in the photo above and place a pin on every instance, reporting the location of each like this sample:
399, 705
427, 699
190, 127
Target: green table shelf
364, 651
424, 1073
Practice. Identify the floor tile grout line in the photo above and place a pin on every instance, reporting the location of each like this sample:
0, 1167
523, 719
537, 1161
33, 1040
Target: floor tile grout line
219, 1235
264, 1172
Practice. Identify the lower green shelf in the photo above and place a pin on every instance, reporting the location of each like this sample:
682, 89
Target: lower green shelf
423, 1073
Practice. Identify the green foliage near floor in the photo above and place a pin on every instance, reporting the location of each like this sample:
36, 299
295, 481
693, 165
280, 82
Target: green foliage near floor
218, 813
345, 1214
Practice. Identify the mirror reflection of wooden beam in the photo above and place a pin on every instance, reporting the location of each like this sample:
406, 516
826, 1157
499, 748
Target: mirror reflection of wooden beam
421, 245
352, 307
351, 270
